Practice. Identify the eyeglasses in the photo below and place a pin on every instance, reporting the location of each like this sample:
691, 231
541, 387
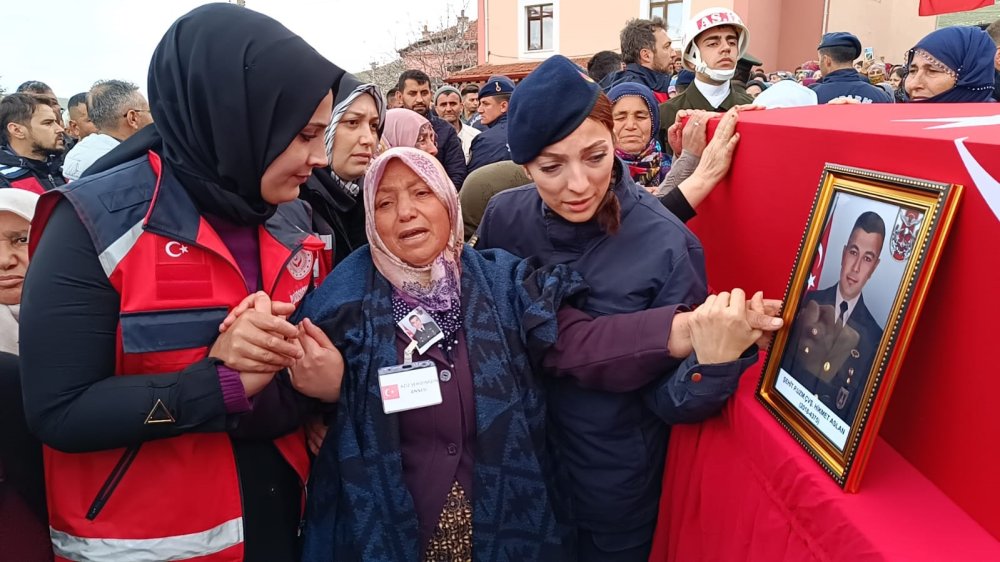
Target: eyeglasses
135, 110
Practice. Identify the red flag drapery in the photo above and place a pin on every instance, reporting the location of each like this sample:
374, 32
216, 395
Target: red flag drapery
935, 7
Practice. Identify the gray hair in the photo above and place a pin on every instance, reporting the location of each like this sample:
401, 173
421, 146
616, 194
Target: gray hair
109, 100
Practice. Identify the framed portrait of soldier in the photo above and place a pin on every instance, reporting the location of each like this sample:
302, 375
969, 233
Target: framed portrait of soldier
863, 270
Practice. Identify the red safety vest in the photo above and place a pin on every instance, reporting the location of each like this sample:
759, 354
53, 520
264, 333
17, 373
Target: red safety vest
176, 498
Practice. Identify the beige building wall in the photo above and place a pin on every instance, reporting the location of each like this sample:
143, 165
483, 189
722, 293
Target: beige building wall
890, 27
582, 27
593, 25
784, 33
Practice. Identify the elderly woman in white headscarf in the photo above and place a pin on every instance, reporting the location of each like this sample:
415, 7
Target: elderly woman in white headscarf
22, 495
17, 206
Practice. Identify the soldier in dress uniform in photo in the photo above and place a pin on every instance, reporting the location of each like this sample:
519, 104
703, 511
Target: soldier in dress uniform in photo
836, 339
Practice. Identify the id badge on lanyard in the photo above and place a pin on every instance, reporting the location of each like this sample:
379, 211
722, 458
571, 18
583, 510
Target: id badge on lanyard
409, 386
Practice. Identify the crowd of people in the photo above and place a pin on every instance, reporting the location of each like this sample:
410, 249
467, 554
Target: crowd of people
437, 310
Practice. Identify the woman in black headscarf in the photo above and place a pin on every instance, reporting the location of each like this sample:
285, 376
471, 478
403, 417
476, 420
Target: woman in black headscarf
165, 440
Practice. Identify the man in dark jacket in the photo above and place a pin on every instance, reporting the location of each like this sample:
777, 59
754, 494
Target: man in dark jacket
604, 63
415, 92
647, 54
31, 156
837, 52
491, 145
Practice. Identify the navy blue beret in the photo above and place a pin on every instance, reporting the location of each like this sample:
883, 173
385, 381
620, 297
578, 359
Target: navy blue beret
841, 39
549, 104
495, 86
684, 77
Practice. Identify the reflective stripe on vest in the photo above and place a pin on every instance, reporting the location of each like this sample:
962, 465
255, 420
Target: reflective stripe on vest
112, 256
176, 280
180, 547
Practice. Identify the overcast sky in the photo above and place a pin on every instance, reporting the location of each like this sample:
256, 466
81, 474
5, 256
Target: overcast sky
82, 41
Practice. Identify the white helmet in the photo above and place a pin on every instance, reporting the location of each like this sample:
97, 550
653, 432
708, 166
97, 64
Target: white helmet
703, 21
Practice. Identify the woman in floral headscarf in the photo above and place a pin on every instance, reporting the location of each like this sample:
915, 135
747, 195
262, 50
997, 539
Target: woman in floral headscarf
443, 481
404, 127
637, 119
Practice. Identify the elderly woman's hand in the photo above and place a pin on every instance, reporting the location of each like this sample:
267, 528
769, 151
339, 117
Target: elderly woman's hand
695, 135
714, 163
762, 314
718, 155
690, 136
720, 330
255, 341
320, 371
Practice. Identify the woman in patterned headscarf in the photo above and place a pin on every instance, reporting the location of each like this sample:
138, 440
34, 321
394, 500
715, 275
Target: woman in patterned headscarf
952, 64
404, 127
334, 192
443, 481
637, 119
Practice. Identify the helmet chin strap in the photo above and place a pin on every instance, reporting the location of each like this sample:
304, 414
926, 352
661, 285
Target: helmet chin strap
717, 75
700, 66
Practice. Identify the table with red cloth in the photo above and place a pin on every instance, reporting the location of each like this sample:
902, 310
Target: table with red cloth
739, 487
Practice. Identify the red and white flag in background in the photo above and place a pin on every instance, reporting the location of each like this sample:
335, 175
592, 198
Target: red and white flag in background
821, 250
935, 7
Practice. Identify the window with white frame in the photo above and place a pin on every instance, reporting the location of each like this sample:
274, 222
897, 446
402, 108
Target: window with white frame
539, 31
671, 12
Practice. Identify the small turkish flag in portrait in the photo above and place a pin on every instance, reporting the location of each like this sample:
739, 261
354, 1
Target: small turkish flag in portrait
390, 392
816, 270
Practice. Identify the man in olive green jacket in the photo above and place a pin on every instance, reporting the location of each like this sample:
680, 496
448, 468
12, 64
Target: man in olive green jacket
714, 40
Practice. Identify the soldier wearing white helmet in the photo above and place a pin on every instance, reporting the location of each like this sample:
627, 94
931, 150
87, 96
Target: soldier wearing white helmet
714, 40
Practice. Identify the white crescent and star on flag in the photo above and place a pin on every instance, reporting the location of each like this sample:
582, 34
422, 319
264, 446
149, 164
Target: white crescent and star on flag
175, 249
819, 259
957, 122
987, 185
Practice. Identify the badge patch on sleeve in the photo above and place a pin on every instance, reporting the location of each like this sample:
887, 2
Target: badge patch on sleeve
301, 265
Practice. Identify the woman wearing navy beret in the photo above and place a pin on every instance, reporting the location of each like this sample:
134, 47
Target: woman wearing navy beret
584, 210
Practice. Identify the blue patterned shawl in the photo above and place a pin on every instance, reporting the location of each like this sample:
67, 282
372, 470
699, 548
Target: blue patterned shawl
358, 505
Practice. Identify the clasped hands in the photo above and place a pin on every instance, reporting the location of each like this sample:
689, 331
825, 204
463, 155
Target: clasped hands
257, 341
724, 326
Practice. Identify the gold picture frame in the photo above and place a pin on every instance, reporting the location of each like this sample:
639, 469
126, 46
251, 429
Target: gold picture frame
864, 265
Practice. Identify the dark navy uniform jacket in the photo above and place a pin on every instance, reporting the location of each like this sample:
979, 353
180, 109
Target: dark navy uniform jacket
613, 445
848, 82
844, 392
490, 146
633, 72
450, 153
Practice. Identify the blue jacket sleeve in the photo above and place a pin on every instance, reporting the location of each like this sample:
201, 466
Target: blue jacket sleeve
697, 392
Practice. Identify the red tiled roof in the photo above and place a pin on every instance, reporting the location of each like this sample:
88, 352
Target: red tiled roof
514, 71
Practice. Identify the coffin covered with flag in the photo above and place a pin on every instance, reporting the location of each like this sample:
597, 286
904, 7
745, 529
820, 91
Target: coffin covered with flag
943, 414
